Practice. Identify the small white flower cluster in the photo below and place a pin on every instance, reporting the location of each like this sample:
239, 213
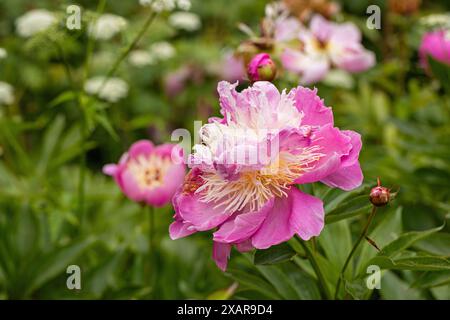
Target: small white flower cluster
436, 20
185, 21
107, 26
3, 54
112, 90
141, 58
159, 51
33, 22
6, 93
166, 5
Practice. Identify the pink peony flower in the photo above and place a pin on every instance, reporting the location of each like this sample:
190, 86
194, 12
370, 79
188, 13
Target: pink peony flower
437, 45
253, 202
149, 174
261, 67
323, 45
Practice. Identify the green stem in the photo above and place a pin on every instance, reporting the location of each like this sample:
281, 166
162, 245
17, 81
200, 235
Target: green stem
127, 50
83, 125
320, 277
352, 252
152, 263
151, 229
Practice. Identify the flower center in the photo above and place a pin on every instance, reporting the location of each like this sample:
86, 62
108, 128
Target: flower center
254, 188
149, 171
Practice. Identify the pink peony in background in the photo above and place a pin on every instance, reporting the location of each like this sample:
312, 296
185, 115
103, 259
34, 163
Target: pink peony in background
256, 204
437, 45
149, 174
320, 47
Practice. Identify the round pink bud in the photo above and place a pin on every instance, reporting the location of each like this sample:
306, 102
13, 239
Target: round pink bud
261, 68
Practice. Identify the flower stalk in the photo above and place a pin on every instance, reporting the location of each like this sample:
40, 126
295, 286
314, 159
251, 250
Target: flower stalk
362, 236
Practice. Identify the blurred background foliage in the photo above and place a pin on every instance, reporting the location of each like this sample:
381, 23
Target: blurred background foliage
402, 113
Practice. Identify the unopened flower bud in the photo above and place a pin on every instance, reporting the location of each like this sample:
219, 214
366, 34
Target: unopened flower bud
380, 196
261, 68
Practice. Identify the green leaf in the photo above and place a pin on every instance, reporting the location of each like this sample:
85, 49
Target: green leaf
405, 241
432, 279
274, 254
440, 71
436, 244
55, 263
394, 288
419, 263
51, 139
254, 282
279, 280
63, 98
348, 209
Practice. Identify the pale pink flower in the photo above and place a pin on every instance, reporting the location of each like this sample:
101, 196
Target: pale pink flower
149, 174
325, 45
256, 204
437, 45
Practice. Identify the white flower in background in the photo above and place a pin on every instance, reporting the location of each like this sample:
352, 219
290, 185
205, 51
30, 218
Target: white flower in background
184, 4
6, 93
107, 26
436, 20
112, 90
3, 53
185, 21
166, 5
141, 58
162, 50
34, 21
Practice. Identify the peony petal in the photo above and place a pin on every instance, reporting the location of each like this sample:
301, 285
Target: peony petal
178, 229
243, 225
297, 213
333, 145
354, 60
173, 179
110, 169
141, 147
345, 178
355, 140
315, 113
308, 215
321, 27
221, 254
202, 216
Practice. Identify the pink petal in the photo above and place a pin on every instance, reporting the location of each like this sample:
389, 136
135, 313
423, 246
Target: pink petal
355, 140
309, 215
202, 216
141, 147
297, 213
315, 113
179, 230
314, 69
221, 254
321, 27
110, 169
333, 145
243, 225
346, 178
162, 195
355, 61
244, 246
